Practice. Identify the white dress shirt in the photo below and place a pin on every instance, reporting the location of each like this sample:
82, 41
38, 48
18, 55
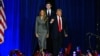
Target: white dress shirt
49, 11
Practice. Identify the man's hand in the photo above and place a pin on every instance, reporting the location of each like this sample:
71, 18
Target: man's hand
52, 20
47, 36
66, 35
37, 35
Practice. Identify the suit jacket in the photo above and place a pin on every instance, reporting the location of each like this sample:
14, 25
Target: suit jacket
51, 16
55, 30
49, 19
41, 26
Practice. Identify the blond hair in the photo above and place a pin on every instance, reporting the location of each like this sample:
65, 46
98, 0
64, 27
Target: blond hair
44, 16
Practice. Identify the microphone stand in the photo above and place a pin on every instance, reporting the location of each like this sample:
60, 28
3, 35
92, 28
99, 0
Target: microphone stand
90, 42
92, 34
97, 36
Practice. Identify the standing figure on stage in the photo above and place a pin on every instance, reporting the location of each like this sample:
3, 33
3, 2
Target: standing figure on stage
42, 30
59, 31
50, 14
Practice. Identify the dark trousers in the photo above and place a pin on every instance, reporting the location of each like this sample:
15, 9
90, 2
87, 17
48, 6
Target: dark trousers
57, 44
49, 45
49, 40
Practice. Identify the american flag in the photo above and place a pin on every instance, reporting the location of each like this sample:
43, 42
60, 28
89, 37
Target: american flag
3, 25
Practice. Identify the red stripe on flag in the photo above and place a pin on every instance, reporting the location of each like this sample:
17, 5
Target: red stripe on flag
2, 18
1, 34
1, 13
0, 40
2, 24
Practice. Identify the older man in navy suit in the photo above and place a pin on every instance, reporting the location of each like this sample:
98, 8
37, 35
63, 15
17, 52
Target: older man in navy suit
59, 31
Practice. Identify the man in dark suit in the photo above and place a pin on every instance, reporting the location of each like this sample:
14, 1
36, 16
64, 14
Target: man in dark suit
50, 13
59, 31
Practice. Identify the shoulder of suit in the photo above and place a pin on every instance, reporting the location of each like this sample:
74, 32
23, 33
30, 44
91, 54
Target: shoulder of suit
62, 16
55, 17
37, 17
52, 10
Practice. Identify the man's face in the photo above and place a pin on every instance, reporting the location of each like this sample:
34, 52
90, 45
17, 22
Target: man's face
48, 6
59, 13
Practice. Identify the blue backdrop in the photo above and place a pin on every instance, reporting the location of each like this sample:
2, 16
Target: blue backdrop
21, 20
29, 9
80, 15
12, 33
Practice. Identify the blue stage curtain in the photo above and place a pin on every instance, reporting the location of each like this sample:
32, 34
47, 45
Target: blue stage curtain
80, 15
11, 36
21, 15
29, 9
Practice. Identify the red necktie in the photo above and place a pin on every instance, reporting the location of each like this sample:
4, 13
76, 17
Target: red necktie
59, 24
